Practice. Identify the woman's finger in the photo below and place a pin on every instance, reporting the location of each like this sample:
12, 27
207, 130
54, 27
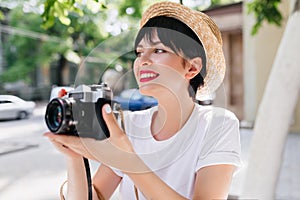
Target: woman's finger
111, 121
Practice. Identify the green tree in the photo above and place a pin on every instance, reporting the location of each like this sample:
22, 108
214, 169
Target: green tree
24, 54
20, 61
76, 27
62, 10
265, 10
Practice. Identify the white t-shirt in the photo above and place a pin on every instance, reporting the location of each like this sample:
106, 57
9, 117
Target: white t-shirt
209, 137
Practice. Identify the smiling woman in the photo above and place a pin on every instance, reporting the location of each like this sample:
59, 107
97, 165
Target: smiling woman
164, 35
177, 149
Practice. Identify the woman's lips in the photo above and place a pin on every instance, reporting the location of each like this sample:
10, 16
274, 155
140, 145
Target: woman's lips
147, 75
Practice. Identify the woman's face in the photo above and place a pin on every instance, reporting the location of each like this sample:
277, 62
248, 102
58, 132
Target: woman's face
158, 69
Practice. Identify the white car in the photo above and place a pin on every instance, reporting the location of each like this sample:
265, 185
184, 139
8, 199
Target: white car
13, 107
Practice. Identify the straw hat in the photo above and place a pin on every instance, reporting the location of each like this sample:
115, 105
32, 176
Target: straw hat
207, 32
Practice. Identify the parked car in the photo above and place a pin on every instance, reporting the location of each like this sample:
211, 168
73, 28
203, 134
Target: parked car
55, 90
132, 99
13, 107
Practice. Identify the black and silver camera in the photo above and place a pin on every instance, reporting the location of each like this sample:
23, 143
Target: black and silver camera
79, 112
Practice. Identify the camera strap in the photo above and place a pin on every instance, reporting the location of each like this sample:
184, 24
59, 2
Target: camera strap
86, 161
88, 178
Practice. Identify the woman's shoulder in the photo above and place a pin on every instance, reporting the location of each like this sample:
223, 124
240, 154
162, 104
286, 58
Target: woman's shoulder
221, 142
218, 114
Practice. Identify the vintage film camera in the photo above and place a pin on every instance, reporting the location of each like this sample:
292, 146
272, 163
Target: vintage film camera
79, 113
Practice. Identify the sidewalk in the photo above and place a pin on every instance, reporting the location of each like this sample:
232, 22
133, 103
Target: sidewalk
288, 187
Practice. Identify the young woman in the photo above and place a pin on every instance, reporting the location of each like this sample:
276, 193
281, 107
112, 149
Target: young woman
178, 149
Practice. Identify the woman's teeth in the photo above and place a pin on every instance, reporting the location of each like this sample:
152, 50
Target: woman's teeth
148, 75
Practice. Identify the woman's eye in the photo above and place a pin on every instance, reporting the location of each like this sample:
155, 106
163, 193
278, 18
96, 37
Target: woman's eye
160, 51
138, 53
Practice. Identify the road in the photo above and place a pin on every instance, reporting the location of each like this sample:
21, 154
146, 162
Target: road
30, 167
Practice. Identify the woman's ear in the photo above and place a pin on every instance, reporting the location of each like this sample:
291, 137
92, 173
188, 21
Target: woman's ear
194, 67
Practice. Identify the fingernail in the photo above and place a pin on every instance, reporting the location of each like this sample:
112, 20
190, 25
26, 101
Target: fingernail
107, 109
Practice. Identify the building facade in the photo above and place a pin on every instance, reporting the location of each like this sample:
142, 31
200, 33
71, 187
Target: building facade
249, 60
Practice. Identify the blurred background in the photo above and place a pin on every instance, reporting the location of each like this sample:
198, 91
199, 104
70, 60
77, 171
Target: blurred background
48, 44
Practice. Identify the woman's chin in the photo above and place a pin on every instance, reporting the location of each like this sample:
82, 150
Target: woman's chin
148, 90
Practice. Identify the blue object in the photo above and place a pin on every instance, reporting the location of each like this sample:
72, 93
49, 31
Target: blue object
132, 99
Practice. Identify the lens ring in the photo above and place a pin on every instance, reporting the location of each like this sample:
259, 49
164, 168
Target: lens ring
55, 115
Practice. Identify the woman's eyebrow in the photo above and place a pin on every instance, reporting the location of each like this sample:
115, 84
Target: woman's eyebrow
152, 43
156, 42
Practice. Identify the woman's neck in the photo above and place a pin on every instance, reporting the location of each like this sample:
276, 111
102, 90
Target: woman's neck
171, 116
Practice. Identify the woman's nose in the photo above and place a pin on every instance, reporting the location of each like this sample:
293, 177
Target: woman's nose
145, 59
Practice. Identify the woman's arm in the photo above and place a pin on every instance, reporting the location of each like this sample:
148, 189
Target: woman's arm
153, 187
213, 182
77, 181
105, 182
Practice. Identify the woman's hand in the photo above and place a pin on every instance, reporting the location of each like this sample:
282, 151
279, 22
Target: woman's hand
114, 151
68, 152
117, 137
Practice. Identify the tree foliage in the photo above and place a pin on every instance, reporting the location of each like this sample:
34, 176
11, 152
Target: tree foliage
64, 8
134, 8
76, 26
24, 54
265, 10
19, 58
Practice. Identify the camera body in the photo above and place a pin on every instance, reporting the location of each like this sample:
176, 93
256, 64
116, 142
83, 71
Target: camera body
79, 113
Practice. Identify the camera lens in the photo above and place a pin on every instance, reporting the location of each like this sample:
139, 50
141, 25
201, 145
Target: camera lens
58, 115
54, 115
